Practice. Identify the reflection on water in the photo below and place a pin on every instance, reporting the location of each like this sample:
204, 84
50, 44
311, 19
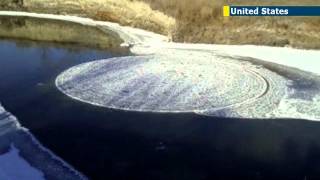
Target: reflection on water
57, 31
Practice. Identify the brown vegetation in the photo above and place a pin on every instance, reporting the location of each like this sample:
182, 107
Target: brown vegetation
198, 21
201, 21
125, 12
50, 31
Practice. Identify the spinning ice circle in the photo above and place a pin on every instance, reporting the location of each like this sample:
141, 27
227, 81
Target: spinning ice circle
162, 83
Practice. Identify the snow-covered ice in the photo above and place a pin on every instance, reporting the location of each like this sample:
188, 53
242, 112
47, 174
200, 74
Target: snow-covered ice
161, 83
175, 81
14, 167
16, 143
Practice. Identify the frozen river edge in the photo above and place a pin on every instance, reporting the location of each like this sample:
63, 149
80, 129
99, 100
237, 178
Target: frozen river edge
148, 43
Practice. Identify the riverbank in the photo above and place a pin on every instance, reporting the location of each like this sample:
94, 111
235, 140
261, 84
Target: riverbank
132, 13
42, 30
187, 21
145, 42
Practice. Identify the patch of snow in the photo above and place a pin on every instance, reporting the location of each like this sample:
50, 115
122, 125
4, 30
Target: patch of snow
307, 60
298, 108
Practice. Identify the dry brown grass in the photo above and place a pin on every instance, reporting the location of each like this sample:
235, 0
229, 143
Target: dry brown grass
50, 31
201, 21
197, 21
125, 12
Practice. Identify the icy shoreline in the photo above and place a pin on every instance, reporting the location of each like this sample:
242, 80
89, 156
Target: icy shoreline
26, 151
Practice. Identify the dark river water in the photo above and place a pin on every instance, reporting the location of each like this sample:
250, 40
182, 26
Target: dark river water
110, 144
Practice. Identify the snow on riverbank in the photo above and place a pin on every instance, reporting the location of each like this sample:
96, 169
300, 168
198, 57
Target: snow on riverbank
306, 60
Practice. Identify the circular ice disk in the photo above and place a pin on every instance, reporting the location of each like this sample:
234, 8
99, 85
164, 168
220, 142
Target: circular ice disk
161, 83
